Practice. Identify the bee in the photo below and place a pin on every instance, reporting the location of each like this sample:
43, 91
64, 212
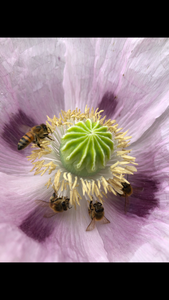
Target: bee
127, 191
96, 212
57, 204
35, 135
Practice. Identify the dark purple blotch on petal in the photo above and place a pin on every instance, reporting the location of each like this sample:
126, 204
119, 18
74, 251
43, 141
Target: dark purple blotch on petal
108, 103
12, 131
36, 226
143, 200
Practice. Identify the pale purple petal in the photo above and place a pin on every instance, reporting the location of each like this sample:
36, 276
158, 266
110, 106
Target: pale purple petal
61, 238
17, 247
18, 195
31, 77
31, 73
147, 238
156, 248
128, 78
65, 232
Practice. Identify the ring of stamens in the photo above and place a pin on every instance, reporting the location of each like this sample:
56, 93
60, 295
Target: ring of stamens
67, 184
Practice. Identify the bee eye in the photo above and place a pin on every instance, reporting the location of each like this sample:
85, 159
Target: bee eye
43, 126
63, 203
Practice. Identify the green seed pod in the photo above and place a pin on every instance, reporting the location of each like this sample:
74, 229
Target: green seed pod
86, 148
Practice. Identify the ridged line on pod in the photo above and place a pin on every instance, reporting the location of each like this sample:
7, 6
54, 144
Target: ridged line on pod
86, 147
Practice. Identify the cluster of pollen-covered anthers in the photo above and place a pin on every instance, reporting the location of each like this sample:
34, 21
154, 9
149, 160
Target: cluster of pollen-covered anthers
87, 156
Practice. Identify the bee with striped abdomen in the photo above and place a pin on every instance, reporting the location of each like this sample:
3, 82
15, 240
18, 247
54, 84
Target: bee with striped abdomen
96, 212
127, 192
57, 204
35, 135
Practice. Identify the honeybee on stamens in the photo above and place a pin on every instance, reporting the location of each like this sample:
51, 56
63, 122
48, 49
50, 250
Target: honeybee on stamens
96, 212
35, 135
57, 204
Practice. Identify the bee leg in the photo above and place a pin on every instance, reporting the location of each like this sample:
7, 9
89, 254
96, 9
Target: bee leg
126, 204
91, 205
38, 145
50, 138
49, 129
46, 135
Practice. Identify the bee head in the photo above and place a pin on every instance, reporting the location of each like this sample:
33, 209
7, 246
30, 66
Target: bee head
64, 205
125, 184
98, 207
44, 127
126, 187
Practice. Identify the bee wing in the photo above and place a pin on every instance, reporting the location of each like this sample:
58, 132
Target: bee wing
49, 214
104, 220
24, 128
91, 225
138, 189
42, 203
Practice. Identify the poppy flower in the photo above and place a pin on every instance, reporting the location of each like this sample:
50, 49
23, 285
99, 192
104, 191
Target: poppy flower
104, 104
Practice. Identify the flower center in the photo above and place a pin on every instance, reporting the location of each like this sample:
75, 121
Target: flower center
87, 157
85, 148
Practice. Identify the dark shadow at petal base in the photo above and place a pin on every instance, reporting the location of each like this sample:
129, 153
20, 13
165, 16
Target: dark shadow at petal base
12, 131
143, 199
36, 226
143, 202
108, 104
